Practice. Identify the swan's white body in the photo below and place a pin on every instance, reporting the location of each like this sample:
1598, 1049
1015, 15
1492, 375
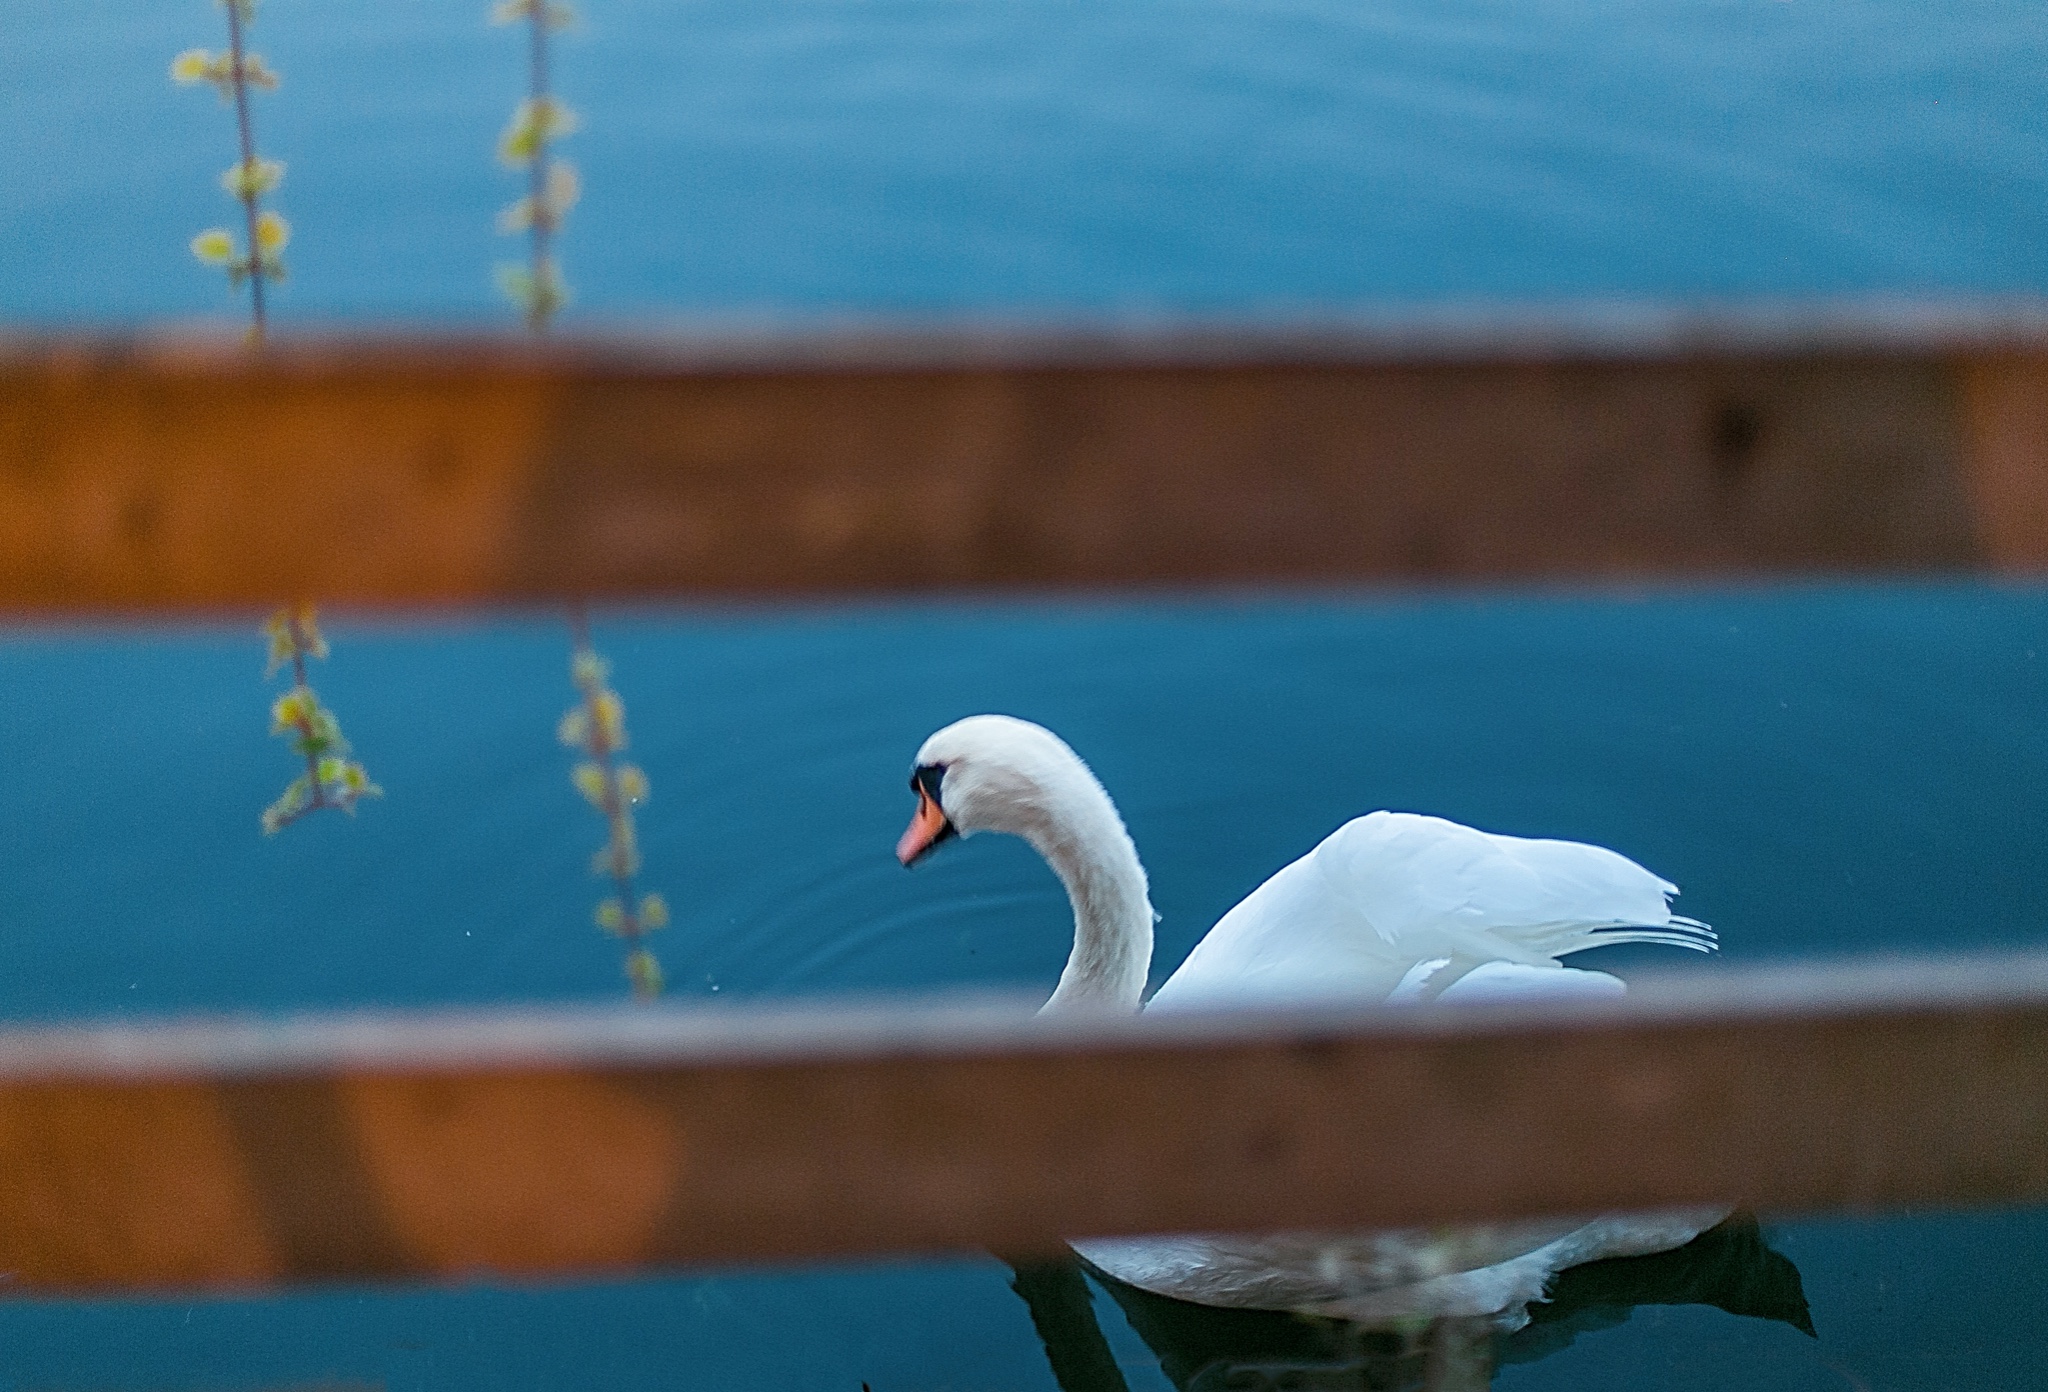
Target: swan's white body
1391, 907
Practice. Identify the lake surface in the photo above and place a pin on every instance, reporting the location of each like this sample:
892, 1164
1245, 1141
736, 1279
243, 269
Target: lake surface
810, 158
1827, 769
1824, 769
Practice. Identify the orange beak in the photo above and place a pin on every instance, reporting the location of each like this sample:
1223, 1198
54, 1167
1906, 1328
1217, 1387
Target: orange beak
928, 826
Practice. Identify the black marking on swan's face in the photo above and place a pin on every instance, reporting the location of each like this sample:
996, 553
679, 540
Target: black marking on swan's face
929, 825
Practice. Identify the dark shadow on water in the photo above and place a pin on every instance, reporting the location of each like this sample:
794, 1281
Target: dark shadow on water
1730, 1267
1202, 1349
1063, 1311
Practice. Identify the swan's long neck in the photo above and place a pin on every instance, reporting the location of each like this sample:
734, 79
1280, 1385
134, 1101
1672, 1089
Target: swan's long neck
1084, 841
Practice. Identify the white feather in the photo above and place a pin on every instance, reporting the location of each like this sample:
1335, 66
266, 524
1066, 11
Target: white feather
1391, 891
1391, 908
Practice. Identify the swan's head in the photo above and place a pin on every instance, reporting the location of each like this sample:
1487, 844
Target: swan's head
998, 773
993, 773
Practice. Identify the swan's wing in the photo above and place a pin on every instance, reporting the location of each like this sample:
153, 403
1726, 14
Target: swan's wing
1390, 891
1290, 940
1500, 982
1415, 879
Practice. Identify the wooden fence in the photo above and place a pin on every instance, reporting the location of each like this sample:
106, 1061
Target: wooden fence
138, 475
160, 476
244, 1153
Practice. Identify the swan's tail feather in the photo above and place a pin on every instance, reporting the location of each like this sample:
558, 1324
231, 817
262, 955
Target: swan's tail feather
1560, 939
1679, 932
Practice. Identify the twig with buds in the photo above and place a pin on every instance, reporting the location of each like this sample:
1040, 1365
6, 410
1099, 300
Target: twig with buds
232, 74
551, 184
597, 726
331, 779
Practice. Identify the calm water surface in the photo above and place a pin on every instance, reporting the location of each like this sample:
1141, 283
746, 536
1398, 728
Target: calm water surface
807, 157
1826, 769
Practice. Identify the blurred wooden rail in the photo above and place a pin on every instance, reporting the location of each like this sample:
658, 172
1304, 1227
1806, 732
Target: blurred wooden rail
142, 474
238, 1154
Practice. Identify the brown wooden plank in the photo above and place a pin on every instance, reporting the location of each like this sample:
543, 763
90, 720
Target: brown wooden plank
451, 472
2005, 401
134, 482
240, 1153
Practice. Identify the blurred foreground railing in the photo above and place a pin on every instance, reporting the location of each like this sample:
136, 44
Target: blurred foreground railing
157, 472
243, 1153
164, 475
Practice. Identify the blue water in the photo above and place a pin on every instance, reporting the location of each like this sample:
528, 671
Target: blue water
1825, 769
1039, 157
1832, 769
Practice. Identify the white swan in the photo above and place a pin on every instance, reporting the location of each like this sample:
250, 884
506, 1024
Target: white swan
1390, 907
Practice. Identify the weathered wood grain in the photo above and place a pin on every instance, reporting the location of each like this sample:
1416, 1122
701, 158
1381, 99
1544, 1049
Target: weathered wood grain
143, 476
246, 1153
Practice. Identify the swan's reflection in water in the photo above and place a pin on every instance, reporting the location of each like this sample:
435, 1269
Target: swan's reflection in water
1202, 1349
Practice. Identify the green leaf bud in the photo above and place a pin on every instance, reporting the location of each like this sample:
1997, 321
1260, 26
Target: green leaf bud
252, 178
632, 783
258, 73
590, 781
534, 123
193, 65
644, 972
215, 246
515, 217
618, 860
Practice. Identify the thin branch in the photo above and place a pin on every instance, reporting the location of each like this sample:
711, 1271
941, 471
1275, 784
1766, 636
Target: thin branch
537, 172
248, 142
597, 725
